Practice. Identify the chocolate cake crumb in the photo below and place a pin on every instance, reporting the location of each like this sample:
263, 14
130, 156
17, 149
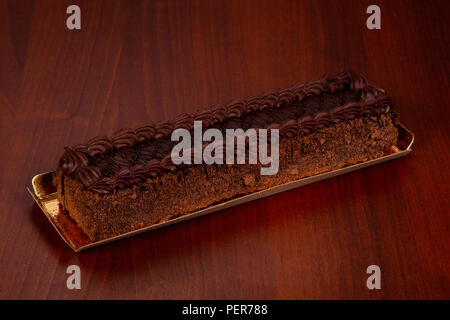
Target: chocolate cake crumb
110, 186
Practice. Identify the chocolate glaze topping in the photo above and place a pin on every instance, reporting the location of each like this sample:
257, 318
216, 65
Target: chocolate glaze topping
131, 156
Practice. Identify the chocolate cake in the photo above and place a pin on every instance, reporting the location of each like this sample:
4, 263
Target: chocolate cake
112, 185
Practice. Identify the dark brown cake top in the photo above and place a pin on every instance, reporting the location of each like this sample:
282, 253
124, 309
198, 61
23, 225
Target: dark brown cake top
131, 156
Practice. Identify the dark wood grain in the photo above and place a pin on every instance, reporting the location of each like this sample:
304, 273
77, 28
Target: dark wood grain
137, 61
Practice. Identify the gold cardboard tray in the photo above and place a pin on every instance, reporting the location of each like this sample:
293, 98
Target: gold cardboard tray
44, 193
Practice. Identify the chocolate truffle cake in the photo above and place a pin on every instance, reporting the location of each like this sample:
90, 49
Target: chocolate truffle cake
112, 185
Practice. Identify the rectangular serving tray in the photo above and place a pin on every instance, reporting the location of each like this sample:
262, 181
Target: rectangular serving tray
44, 193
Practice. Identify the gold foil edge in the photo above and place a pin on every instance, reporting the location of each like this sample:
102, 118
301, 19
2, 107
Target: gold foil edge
42, 183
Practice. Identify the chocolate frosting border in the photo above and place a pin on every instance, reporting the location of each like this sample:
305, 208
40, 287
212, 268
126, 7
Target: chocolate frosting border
75, 160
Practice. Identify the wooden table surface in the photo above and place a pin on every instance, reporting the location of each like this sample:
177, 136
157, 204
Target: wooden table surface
134, 62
